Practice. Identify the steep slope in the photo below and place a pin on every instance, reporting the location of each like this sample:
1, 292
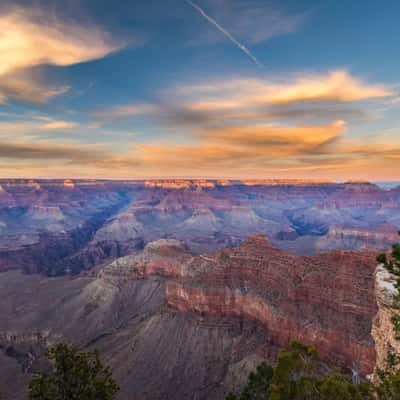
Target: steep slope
174, 325
383, 333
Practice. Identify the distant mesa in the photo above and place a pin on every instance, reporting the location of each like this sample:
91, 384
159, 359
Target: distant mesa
359, 181
68, 183
255, 182
34, 184
224, 182
212, 183
180, 183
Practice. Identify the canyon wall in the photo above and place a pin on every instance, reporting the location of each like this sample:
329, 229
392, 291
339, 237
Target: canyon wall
386, 340
326, 300
64, 227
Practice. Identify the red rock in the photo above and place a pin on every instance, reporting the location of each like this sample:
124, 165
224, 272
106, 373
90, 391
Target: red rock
327, 299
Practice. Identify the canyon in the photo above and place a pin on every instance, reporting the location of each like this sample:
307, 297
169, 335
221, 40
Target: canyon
66, 226
173, 324
186, 285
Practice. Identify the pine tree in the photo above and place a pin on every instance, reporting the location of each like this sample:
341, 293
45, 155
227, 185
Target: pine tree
75, 375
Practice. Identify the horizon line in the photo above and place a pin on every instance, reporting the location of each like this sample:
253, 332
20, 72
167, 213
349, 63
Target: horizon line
196, 178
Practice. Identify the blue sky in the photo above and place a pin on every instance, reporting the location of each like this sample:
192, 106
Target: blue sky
173, 88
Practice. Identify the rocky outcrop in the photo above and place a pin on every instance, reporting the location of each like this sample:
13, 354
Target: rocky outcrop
164, 258
386, 342
327, 300
16, 338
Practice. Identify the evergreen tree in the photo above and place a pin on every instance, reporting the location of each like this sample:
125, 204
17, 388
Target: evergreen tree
75, 375
295, 377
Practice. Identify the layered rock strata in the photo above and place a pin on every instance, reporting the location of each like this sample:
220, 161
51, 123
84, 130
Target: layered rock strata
387, 341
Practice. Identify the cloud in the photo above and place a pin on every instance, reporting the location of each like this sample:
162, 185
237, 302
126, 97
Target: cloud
60, 124
321, 97
260, 127
31, 38
28, 86
243, 127
129, 110
338, 161
42, 151
237, 145
285, 152
286, 138
337, 86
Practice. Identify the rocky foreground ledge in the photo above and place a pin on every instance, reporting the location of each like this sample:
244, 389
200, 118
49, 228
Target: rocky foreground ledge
382, 328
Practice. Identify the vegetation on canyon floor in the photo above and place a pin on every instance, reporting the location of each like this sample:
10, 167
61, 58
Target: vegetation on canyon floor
295, 377
75, 375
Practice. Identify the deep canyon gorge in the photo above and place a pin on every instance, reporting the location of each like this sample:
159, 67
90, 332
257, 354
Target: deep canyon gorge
186, 285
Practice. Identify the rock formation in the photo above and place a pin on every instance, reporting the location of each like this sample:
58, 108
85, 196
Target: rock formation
117, 218
326, 300
383, 332
173, 324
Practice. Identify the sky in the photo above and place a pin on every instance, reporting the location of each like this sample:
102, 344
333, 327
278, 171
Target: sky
200, 88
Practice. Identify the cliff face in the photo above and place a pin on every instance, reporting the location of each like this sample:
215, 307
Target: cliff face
172, 324
382, 329
326, 300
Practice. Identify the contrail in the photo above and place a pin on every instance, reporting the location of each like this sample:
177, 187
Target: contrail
225, 32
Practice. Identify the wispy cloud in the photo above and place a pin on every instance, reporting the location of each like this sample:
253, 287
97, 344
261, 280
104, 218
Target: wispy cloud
129, 110
335, 86
212, 21
60, 124
31, 38
333, 95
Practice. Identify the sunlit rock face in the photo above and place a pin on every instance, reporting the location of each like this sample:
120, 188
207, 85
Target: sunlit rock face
68, 183
382, 329
180, 183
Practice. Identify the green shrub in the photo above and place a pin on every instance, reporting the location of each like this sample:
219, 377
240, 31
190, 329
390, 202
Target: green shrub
75, 375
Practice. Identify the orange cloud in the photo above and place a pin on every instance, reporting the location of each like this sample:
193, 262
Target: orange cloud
251, 101
30, 38
277, 136
336, 86
60, 124
240, 144
255, 127
338, 159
